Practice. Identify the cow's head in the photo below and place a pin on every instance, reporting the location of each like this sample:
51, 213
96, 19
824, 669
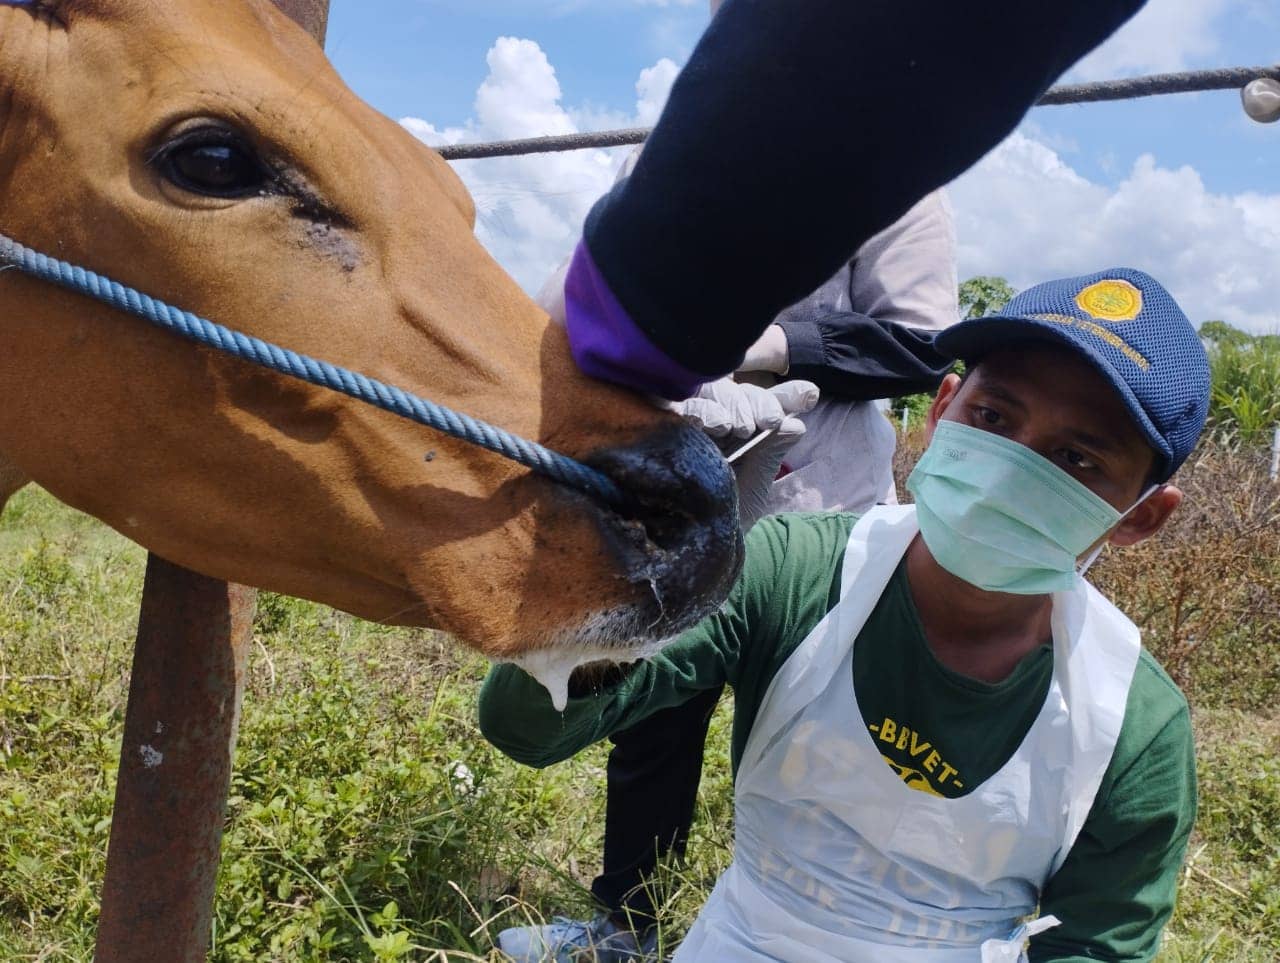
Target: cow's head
204, 151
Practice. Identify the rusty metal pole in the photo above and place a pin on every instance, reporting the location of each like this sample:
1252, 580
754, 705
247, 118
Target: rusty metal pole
179, 737
175, 767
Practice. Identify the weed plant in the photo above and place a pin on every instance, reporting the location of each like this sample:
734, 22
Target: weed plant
1245, 404
368, 820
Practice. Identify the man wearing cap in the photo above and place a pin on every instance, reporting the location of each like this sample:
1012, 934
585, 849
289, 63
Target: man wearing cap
946, 742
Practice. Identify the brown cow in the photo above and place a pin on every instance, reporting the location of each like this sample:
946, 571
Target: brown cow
205, 152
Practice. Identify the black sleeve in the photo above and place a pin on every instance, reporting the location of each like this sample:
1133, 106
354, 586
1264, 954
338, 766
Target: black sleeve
783, 106
860, 358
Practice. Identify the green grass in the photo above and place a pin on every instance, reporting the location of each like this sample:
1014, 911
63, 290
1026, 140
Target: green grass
350, 833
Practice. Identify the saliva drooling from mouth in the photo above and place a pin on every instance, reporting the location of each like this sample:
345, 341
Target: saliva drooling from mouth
552, 668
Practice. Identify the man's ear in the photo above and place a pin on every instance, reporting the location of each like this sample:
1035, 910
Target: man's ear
941, 401
1148, 517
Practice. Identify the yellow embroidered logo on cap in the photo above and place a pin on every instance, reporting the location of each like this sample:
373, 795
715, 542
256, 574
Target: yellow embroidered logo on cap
1112, 300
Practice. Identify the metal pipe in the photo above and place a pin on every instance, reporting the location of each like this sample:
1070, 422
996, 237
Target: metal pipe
1154, 85
1227, 78
179, 740
175, 767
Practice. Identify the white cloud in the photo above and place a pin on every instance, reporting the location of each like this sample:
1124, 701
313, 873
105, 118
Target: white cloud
1165, 35
1027, 215
652, 90
531, 208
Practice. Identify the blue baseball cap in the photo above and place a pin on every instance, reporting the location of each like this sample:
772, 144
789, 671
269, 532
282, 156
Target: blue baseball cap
1129, 328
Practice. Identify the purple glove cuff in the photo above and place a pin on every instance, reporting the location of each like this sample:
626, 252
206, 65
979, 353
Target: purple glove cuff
608, 345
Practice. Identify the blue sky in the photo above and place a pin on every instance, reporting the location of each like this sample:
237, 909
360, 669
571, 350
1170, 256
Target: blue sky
1210, 170
425, 58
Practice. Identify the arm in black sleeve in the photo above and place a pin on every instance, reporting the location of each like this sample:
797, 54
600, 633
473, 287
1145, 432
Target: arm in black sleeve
782, 106
852, 356
868, 332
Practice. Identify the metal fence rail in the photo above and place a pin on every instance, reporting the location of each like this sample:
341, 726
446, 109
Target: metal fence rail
1153, 85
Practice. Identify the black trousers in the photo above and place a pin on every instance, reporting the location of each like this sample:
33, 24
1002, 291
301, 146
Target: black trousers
652, 784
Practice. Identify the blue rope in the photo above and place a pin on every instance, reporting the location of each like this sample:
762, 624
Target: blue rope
554, 465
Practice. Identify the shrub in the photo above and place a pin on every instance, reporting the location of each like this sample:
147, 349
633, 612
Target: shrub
1206, 590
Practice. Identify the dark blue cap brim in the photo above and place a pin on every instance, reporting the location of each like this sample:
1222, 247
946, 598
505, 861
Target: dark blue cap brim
970, 340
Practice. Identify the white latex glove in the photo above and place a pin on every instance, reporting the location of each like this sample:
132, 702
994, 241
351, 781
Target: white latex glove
770, 353
550, 296
729, 411
758, 468
732, 413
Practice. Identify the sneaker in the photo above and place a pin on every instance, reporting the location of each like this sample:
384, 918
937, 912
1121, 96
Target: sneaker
569, 941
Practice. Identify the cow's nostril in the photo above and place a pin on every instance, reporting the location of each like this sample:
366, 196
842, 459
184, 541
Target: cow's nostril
672, 480
679, 531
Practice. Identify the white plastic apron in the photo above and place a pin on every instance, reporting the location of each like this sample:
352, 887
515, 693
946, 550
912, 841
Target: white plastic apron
839, 861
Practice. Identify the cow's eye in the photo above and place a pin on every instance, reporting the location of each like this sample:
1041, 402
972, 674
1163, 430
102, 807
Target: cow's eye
213, 161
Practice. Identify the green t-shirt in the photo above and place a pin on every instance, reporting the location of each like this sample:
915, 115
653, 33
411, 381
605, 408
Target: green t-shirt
934, 726
941, 731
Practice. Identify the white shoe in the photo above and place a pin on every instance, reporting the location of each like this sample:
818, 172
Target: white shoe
570, 941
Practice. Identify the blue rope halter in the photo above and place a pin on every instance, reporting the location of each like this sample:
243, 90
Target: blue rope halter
554, 465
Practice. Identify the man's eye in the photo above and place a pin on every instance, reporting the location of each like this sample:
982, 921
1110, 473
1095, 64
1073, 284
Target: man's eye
988, 416
1078, 460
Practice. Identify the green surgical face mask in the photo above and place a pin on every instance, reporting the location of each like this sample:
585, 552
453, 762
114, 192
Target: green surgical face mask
999, 516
